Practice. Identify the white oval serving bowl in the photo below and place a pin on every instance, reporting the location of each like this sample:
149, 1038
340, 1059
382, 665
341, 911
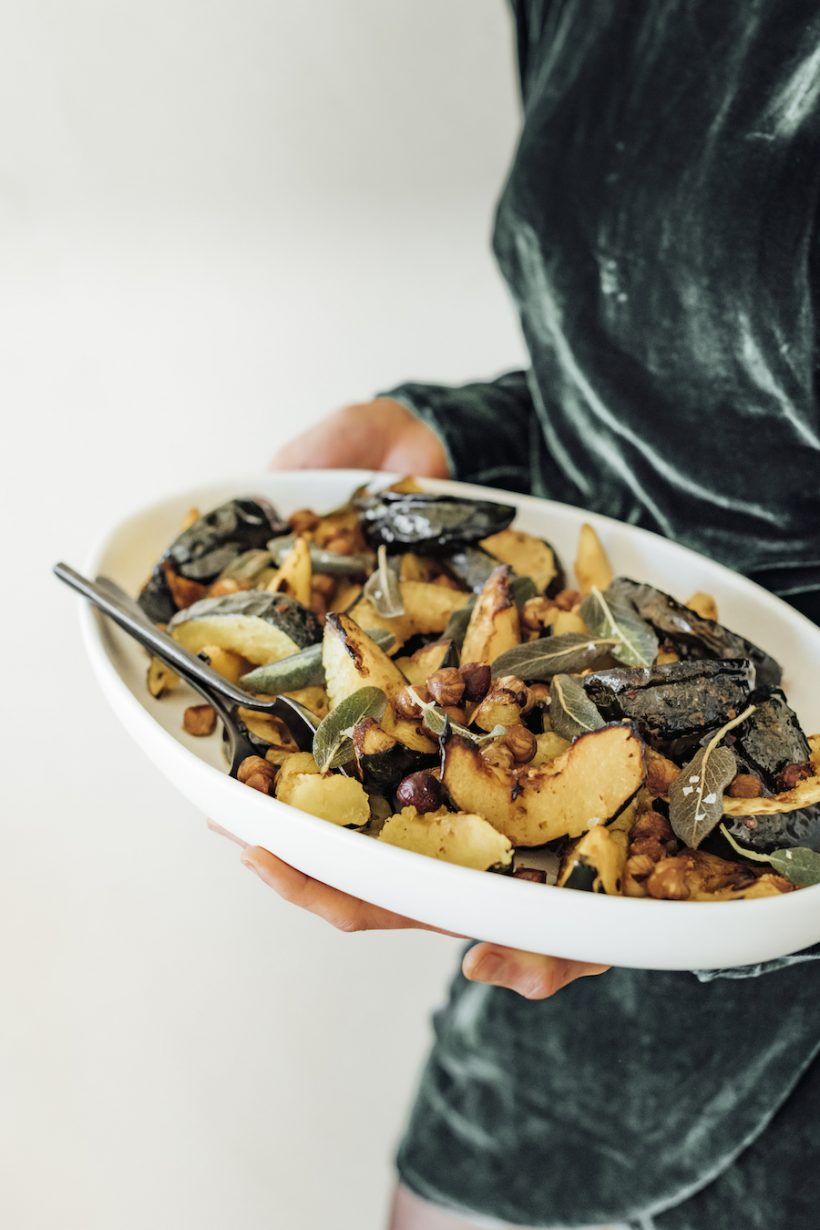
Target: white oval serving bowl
641, 933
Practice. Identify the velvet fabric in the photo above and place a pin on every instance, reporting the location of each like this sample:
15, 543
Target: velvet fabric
658, 233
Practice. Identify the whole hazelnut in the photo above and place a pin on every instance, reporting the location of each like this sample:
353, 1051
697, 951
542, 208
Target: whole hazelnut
521, 742
405, 704
477, 677
420, 790
446, 686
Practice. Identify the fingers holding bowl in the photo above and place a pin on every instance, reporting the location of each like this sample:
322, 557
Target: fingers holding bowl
527, 973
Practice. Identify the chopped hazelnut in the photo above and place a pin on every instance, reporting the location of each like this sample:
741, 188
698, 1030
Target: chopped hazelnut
303, 520
668, 880
257, 773
199, 720
746, 786
788, 778
446, 686
636, 871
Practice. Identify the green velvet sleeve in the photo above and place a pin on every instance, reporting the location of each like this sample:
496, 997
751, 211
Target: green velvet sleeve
766, 967
487, 428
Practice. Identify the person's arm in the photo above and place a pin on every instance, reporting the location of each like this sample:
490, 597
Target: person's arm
487, 427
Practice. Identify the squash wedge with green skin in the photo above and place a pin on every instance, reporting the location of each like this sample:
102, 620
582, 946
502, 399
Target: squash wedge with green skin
467, 840
586, 785
494, 625
352, 660
528, 556
595, 862
257, 626
382, 759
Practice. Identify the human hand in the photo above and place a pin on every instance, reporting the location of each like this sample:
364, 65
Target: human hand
374, 435
529, 974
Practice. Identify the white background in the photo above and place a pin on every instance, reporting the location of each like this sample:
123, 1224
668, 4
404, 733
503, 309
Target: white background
217, 221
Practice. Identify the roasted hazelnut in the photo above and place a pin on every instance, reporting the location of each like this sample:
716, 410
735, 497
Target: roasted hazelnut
745, 786
199, 720
788, 778
183, 591
257, 773
318, 604
456, 713
420, 790
648, 846
406, 706
503, 704
536, 874
521, 742
660, 772
303, 520
539, 695
636, 871
446, 582
446, 686
567, 600
477, 678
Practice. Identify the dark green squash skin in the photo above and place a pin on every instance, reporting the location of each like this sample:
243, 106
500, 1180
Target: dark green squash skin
284, 612
202, 551
672, 704
472, 566
429, 524
383, 771
771, 738
691, 634
776, 832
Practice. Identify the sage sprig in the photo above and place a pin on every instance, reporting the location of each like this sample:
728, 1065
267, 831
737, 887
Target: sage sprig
633, 641
332, 739
383, 589
572, 713
441, 724
331, 563
552, 655
696, 794
797, 863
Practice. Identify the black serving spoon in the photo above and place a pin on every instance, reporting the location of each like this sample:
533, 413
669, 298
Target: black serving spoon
223, 695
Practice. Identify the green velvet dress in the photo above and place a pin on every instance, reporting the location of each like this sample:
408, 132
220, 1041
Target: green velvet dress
658, 233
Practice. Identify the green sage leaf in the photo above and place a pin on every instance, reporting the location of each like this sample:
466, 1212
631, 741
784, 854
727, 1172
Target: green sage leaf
329, 562
635, 644
383, 588
522, 589
300, 670
332, 741
552, 655
798, 864
696, 794
457, 624
572, 713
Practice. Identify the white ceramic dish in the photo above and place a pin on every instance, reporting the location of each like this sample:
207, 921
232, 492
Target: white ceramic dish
641, 933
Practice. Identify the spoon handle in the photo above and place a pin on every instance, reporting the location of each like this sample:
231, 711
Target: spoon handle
120, 610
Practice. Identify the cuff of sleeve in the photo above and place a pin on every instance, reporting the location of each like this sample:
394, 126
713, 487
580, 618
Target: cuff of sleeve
765, 967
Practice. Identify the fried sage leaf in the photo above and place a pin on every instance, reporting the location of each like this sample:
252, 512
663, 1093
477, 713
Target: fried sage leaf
572, 713
331, 563
332, 740
300, 670
796, 863
383, 589
552, 655
696, 794
634, 642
